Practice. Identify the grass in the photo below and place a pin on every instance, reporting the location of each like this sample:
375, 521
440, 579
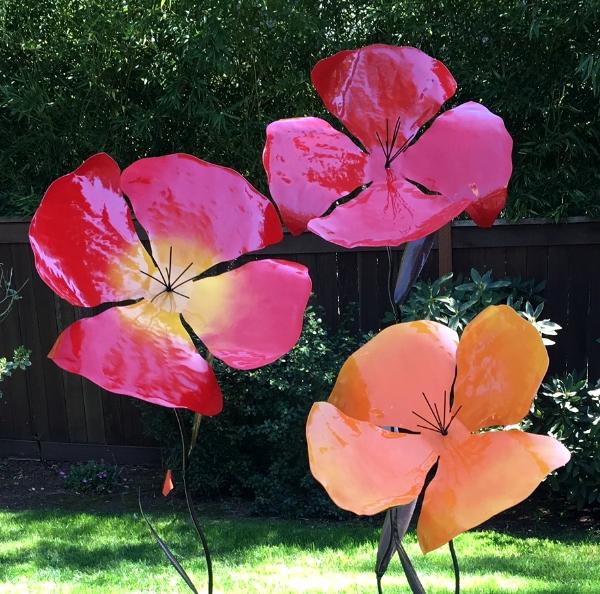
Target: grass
77, 552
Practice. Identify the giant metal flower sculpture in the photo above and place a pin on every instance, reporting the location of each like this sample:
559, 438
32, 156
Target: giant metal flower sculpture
196, 215
443, 396
383, 95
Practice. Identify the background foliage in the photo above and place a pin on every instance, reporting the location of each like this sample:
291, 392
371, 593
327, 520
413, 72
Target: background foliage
256, 448
152, 77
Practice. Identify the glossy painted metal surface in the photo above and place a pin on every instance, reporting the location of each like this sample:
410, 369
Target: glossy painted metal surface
465, 154
397, 380
501, 362
252, 315
383, 382
383, 95
366, 87
309, 166
142, 351
343, 451
83, 239
196, 212
482, 476
387, 213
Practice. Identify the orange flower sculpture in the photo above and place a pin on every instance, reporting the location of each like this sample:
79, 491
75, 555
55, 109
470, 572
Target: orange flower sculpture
441, 394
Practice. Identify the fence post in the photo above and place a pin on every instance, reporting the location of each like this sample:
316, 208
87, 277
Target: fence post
445, 249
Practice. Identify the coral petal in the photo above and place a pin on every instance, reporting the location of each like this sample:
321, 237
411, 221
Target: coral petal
252, 315
483, 476
501, 361
367, 87
83, 238
140, 351
309, 166
365, 469
383, 382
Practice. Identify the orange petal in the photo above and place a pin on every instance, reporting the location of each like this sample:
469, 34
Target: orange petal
485, 475
252, 315
384, 381
363, 468
501, 361
168, 483
141, 351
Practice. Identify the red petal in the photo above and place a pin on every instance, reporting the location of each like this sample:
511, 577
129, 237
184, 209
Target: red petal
168, 483
83, 239
368, 87
309, 166
205, 213
388, 213
140, 351
253, 315
466, 154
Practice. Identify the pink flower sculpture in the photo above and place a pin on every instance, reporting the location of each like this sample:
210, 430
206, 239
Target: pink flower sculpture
395, 190
196, 215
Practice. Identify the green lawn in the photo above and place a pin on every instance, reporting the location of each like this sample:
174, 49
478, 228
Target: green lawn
67, 551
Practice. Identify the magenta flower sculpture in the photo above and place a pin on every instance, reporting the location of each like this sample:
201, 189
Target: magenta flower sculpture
196, 215
394, 186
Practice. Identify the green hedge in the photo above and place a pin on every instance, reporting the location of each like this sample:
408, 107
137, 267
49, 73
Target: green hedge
151, 77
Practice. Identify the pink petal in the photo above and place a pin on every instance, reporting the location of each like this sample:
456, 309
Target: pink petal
83, 239
465, 154
388, 213
197, 212
252, 315
140, 351
367, 87
309, 166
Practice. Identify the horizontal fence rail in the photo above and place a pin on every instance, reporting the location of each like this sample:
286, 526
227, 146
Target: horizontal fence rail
45, 407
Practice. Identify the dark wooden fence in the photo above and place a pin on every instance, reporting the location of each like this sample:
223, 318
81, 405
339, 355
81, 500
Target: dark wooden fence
43, 409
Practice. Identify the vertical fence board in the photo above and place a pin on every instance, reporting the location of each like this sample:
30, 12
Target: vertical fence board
61, 407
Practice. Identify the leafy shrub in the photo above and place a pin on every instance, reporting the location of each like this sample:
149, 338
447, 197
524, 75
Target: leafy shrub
8, 296
455, 303
147, 78
256, 448
92, 477
569, 409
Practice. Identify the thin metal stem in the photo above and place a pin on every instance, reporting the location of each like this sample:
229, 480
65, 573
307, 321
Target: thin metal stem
453, 417
426, 420
184, 271
456, 568
153, 278
389, 285
430, 407
191, 509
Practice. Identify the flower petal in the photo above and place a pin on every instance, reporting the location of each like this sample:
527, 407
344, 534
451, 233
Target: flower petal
309, 166
205, 213
388, 213
140, 351
383, 382
364, 468
83, 240
250, 316
501, 361
378, 84
487, 474
466, 153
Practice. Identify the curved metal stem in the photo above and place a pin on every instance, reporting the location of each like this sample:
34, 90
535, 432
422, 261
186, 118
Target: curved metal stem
456, 568
190, 507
